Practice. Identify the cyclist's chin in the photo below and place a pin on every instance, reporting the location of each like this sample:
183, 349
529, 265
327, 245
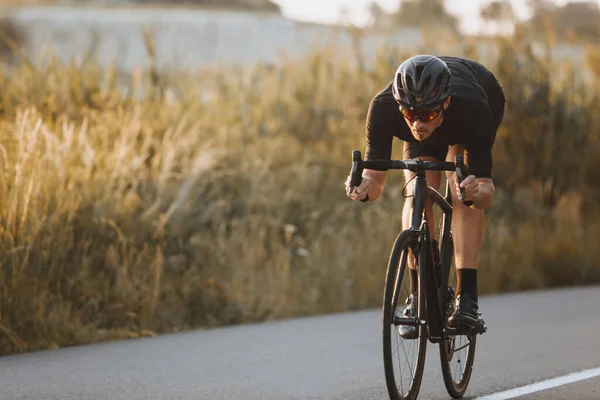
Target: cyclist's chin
421, 136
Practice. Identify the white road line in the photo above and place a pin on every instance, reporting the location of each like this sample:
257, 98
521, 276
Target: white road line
543, 385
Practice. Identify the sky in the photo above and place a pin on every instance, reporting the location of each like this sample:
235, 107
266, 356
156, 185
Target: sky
328, 11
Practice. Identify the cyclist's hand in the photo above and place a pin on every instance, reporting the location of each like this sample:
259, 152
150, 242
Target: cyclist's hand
471, 186
360, 192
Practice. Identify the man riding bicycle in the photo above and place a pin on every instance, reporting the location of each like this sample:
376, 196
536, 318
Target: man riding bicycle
440, 107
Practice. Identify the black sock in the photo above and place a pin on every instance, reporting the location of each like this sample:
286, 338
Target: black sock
467, 282
414, 281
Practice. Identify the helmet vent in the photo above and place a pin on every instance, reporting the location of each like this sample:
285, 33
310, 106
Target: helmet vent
419, 71
426, 83
399, 81
410, 85
438, 82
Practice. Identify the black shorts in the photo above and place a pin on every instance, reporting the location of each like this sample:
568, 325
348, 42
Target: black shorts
496, 100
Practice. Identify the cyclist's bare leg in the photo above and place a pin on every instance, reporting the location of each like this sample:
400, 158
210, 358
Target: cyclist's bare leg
467, 224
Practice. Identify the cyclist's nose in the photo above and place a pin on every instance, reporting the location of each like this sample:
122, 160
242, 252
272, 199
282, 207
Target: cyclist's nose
418, 124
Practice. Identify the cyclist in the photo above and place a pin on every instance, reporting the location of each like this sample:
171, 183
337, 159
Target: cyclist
440, 107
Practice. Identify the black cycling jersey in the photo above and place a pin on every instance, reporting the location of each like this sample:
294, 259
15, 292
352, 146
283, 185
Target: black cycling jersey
475, 112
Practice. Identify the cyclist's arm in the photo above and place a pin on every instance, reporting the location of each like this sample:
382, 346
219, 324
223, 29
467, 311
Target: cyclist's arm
377, 179
379, 137
479, 156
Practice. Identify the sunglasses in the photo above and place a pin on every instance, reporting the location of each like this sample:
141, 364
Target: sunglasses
421, 115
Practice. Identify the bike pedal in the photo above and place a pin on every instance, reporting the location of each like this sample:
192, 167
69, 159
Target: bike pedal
482, 327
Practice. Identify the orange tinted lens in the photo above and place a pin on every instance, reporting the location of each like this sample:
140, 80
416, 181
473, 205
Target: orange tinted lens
430, 116
407, 114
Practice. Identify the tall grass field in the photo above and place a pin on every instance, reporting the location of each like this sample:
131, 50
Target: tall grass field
160, 202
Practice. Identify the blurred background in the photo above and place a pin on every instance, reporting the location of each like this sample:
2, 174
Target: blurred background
174, 165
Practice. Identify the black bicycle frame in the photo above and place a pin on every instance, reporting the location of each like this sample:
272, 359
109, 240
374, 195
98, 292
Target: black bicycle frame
435, 290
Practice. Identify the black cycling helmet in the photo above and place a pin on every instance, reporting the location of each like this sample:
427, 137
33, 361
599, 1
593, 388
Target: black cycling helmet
423, 76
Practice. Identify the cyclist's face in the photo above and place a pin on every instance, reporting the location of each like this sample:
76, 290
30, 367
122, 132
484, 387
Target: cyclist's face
423, 130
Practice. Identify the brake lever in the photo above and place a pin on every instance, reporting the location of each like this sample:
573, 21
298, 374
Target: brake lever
462, 171
356, 172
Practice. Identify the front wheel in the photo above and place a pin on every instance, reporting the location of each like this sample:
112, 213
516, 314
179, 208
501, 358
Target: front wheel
457, 351
406, 353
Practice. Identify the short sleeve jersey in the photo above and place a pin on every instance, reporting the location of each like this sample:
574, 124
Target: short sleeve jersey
468, 121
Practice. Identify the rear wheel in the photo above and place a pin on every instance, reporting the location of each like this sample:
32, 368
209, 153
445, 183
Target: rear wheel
457, 351
403, 358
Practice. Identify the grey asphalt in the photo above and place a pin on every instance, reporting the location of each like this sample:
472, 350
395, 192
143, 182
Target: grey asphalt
532, 336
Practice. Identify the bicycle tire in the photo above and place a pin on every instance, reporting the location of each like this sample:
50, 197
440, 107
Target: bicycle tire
456, 389
396, 265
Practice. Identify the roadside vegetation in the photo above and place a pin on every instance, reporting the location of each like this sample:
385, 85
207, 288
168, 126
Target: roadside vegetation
162, 202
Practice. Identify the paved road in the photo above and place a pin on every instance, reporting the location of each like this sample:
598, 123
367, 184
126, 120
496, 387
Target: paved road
532, 336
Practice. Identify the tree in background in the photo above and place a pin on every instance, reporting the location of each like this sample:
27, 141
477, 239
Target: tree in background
576, 21
425, 13
378, 16
12, 37
499, 14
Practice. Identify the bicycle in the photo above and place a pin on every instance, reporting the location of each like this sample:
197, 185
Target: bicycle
435, 291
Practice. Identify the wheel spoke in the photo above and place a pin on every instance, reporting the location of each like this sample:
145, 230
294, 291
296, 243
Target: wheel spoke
407, 360
462, 347
458, 364
401, 374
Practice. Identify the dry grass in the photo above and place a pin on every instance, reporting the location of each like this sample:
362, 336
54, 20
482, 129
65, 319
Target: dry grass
167, 204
